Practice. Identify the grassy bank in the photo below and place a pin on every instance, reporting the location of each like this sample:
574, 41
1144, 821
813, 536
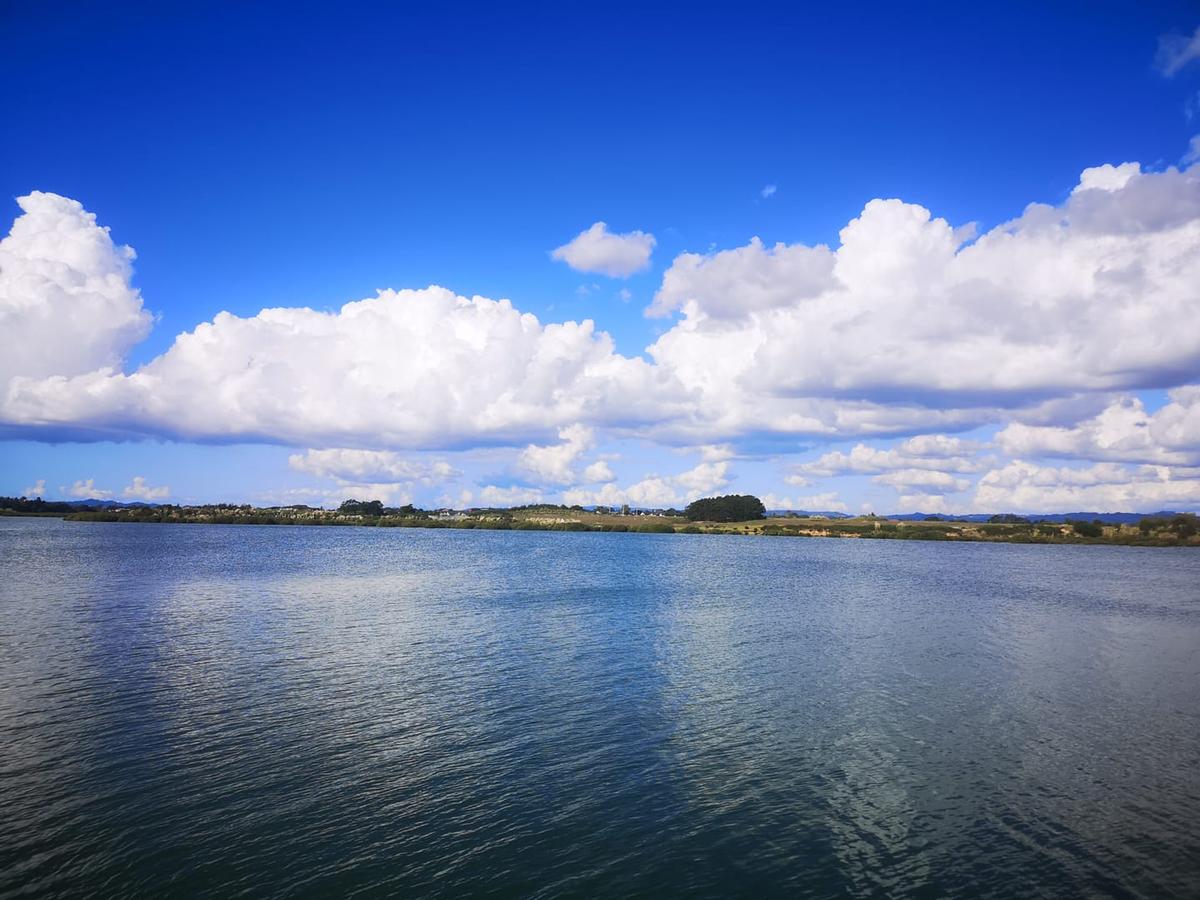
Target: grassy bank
1180, 530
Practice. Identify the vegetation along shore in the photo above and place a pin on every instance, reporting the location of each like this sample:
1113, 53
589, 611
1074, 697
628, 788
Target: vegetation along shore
731, 515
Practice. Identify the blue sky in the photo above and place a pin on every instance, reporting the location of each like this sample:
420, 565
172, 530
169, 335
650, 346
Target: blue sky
260, 156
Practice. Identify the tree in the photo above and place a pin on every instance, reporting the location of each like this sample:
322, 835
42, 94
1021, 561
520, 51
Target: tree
1184, 525
1088, 529
1008, 519
729, 508
361, 508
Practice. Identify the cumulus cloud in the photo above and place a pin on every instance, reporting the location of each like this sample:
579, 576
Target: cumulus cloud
1192, 155
733, 283
598, 472
1124, 432
37, 489
383, 466
404, 369
139, 489
922, 481
908, 326
67, 305
656, 491
1096, 294
492, 495
599, 250
369, 474
927, 452
715, 452
87, 490
1176, 51
1104, 487
826, 502
555, 463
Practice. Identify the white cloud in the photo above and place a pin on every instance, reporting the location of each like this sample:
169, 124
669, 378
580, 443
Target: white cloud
37, 489
1097, 294
934, 452
364, 466
768, 192
597, 472
1193, 151
140, 490
1107, 177
922, 481
554, 463
733, 283
66, 302
905, 327
1104, 487
1124, 432
405, 369
704, 478
826, 502
928, 503
657, 491
370, 474
599, 250
509, 496
86, 490
390, 493
1175, 51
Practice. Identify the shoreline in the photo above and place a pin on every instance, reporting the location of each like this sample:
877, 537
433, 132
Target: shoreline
1177, 531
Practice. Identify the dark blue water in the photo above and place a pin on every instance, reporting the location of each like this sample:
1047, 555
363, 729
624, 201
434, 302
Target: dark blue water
208, 711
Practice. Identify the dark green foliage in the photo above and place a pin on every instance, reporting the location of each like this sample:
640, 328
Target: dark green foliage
1008, 519
36, 506
923, 534
1183, 525
1087, 529
730, 508
690, 529
361, 508
654, 528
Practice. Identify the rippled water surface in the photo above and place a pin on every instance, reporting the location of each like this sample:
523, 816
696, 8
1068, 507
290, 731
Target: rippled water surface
209, 710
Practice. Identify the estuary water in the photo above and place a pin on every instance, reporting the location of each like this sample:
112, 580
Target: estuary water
276, 711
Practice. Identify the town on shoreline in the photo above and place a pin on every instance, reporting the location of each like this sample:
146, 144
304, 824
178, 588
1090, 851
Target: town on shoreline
731, 515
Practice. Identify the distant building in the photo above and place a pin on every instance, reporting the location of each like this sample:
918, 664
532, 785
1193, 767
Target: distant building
625, 509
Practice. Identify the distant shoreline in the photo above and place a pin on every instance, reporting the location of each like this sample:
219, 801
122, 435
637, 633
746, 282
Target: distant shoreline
1179, 530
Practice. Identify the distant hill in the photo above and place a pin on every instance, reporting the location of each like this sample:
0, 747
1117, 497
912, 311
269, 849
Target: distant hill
41, 507
1109, 518
92, 503
815, 513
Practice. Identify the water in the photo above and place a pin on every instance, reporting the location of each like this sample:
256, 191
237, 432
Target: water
207, 711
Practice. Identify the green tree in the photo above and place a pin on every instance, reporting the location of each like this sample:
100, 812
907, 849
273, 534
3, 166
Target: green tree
729, 508
361, 508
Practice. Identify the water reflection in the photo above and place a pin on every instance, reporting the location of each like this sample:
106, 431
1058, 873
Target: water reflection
203, 710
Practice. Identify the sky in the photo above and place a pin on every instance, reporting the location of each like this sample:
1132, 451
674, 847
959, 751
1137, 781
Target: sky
889, 258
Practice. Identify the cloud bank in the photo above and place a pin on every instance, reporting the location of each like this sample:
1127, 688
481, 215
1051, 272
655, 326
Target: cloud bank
1044, 325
